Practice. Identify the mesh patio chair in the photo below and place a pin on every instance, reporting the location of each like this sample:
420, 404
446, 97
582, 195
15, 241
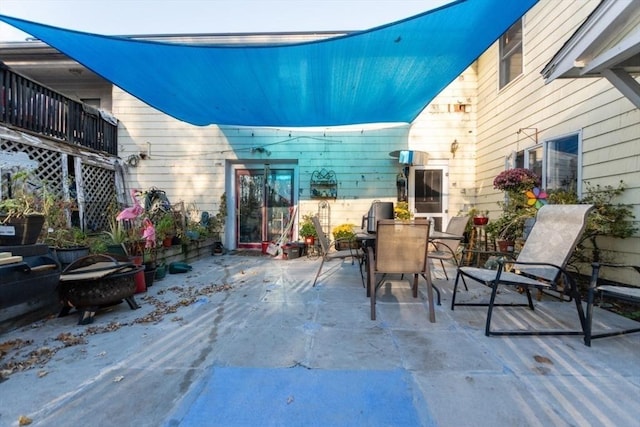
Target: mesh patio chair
447, 250
401, 248
328, 254
610, 291
540, 264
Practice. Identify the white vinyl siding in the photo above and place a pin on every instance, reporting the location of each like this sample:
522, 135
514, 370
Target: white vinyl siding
608, 123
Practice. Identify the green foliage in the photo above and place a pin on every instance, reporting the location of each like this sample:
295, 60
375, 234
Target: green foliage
217, 222
67, 238
306, 226
117, 233
166, 225
515, 213
608, 219
97, 243
27, 199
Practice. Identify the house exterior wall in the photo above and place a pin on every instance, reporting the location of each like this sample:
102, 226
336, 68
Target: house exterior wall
451, 117
608, 123
194, 164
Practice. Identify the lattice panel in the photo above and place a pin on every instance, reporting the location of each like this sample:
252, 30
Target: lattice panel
99, 192
49, 171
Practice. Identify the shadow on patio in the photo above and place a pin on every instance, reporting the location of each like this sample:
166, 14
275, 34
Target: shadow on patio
248, 341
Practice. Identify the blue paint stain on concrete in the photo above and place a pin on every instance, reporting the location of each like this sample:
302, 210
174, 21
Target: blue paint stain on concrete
302, 397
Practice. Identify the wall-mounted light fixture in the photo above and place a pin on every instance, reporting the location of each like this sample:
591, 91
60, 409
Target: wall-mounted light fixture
454, 147
145, 155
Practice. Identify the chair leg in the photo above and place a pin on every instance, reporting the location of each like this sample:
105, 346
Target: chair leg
318, 273
581, 316
435, 288
432, 309
590, 300
362, 275
414, 288
455, 289
444, 269
464, 282
372, 294
494, 291
529, 299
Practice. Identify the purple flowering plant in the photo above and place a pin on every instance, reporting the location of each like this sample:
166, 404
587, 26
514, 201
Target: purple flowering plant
516, 180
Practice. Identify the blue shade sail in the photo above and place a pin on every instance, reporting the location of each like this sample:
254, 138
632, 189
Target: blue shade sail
386, 74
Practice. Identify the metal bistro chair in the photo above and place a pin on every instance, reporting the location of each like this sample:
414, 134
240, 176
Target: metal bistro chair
442, 251
540, 264
610, 291
401, 248
328, 255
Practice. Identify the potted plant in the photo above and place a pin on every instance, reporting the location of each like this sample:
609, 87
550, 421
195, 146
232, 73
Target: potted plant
506, 229
308, 230
344, 237
21, 216
117, 237
68, 244
216, 225
165, 228
401, 211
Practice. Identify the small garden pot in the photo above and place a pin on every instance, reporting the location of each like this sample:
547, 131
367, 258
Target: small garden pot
506, 245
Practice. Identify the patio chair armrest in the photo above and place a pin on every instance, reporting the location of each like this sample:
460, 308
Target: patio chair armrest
595, 272
543, 264
562, 270
436, 243
597, 265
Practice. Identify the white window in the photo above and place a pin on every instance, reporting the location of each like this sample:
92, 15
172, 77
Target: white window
557, 161
511, 54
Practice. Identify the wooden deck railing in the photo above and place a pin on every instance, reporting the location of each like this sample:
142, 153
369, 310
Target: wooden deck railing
30, 106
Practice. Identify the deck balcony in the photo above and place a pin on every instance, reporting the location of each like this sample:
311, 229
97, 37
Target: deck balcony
30, 106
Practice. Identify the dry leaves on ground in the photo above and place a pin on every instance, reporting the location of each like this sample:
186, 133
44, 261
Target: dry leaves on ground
40, 356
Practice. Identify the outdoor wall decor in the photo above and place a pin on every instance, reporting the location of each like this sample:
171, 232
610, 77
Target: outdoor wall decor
324, 184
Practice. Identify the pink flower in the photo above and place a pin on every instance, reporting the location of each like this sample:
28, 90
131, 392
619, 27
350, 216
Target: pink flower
516, 179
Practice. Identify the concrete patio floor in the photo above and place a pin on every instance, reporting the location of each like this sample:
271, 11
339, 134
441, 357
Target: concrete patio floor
245, 340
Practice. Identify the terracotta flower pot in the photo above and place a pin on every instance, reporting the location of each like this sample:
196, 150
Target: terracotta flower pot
506, 245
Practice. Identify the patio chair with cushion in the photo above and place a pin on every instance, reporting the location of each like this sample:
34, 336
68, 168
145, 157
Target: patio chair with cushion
327, 254
610, 291
540, 264
401, 248
447, 251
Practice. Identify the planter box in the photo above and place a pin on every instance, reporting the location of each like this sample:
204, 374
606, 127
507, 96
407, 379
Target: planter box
186, 252
340, 246
20, 231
